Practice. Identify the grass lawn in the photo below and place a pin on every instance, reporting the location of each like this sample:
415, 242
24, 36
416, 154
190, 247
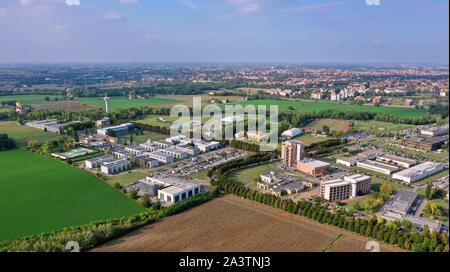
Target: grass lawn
249, 175
44, 195
27, 99
333, 124
116, 103
22, 134
433, 178
379, 127
310, 106
5, 110
440, 202
126, 177
139, 139
202, 175
309, 139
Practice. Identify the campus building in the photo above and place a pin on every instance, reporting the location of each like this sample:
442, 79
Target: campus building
342, 189
423, 143
279, 184
115, 167
161, 157
207, 146
145, 161
291, 133
292, 152
313, 167
149, 146
378, 167
116, 131
399, 161
435, 131
136, 151
97, 161
418, 172
177, 154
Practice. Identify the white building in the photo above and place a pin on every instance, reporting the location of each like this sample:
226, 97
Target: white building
174, 190
115, 167
97, 161
177, 154
400, 161
361, 184
342, 189
161, 157
149, 146
207, 146
378, 167
136, 151
418, 172
291, 133
435, 131
256, 135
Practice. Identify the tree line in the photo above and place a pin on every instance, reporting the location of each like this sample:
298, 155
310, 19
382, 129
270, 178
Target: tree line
401, 234
6, 143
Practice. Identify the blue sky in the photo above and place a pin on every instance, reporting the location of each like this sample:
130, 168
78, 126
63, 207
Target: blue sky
300, 31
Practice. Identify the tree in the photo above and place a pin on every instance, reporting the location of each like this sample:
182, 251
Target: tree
326, 130
387, 189
133, 194
428, 190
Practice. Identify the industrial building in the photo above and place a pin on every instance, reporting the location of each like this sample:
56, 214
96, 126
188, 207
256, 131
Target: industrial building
418, 172
206, 146
435, 131
145, 161
177, 154
149, 146
378, 167
353, 160
135, 150
292, 152
115, 167
399, 161
423, 143
313, 167
51, 125
97, 161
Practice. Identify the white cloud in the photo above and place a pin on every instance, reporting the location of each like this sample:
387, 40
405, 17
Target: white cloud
189, 3
128, 2
73, 2
25, 3
246, 6
112, 16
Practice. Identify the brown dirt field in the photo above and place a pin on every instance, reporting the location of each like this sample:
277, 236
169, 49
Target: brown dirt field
231, 224
62, 105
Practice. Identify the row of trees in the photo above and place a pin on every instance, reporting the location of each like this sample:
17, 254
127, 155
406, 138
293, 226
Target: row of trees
6, 143
152, 128
244, 146
399, 234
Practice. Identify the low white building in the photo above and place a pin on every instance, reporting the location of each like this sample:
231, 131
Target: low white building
115, 167
149, 146
161, 157
97, 161
419, 172
136, 151
378, 167
207, 146
400, 161
256, 135
174, 190
177, 154
291, 133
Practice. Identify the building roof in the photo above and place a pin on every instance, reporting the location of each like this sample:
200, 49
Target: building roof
399, 159
314, 163
380, 165
403, 201
418, 169
335, 182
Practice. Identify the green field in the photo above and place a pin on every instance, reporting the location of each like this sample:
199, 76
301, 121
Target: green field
249, 175
378, 127
127, 177
310, 106
333, 124
22, 134
125, 103
309, 139
27, 99
5, 110
39, 194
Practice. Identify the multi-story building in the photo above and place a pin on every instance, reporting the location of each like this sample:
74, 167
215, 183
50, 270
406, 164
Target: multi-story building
149, 146
292, 152
335, 190
422, 143
342, 189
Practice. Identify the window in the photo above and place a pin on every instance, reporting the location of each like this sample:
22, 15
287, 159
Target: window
190, 193
177, 199
169, 198
196, 191
183, 196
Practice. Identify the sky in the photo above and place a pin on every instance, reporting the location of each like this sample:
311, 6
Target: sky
242, 31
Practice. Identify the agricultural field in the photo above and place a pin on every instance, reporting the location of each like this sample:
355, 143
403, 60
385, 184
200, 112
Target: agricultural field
22, 134
44, 195
116, 103
231, 224
62, 105
378, 127
310, 106
5, 110
249, 175
333, 124
28, 99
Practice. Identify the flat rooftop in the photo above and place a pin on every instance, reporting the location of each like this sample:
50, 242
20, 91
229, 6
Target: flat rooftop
314, 163
398, 158
379, 165
419, 169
